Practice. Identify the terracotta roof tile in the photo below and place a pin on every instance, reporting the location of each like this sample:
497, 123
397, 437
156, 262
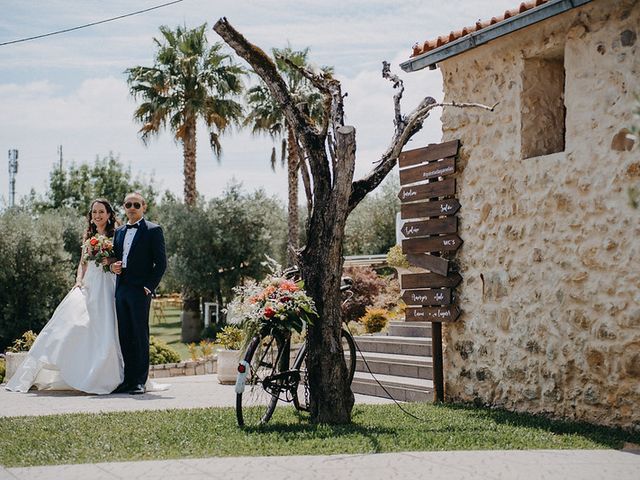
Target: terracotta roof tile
419, 49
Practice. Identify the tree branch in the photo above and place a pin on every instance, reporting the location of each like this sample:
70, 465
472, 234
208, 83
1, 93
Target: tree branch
397, 83
306, 132
406, 127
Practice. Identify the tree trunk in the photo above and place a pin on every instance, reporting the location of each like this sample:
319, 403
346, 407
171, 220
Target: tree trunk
189, 152
321, 262
190, 317
292, 178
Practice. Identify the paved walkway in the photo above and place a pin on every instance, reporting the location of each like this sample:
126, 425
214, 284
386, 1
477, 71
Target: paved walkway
197, 391
205, 391
486, 465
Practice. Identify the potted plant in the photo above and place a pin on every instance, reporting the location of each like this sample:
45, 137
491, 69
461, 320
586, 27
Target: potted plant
230, 339
17, 353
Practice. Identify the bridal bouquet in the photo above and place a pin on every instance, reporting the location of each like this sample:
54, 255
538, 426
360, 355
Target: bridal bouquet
276, 303
96, 249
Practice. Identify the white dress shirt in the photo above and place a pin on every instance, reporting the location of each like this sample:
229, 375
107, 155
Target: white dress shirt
128, 240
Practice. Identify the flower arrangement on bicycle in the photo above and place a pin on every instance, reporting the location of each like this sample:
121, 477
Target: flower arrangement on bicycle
274, 304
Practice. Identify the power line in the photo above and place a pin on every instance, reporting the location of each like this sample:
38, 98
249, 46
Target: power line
90, 24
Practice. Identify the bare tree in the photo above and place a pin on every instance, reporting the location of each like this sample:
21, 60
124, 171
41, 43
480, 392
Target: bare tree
328, 151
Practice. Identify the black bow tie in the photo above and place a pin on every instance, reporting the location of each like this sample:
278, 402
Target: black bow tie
135, 225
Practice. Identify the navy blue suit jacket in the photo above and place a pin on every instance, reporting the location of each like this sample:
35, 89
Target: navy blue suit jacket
147, 259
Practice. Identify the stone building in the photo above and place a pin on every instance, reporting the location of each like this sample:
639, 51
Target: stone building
551, 259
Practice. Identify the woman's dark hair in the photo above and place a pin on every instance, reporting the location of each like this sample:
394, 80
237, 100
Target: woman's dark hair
112, 222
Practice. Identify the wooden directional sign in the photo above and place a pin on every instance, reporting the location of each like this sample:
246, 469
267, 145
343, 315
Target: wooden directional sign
429, 153
430, 262
439, 296
430, 170
429, 280
425, 191
430, 227
429, 209
444, 243
432, 314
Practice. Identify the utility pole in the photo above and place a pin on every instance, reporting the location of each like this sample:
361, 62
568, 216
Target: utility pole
13, 169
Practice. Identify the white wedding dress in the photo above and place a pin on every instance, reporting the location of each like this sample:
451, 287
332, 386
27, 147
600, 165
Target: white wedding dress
78, 349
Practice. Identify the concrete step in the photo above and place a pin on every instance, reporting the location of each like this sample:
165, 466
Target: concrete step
418, 346
398, 388
409, 366
410, 329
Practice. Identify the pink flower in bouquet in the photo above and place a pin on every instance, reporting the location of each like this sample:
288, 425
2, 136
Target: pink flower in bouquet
289, 286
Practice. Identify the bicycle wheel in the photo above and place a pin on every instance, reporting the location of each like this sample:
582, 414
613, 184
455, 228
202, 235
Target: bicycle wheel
301, 401
255, 405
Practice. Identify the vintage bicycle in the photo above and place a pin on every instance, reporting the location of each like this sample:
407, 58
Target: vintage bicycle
266, 374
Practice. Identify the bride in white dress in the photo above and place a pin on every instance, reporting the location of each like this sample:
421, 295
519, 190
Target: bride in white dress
78, 348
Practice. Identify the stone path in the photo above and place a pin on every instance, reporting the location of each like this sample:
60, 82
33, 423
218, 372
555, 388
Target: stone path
198, 391
205, 391
486, 465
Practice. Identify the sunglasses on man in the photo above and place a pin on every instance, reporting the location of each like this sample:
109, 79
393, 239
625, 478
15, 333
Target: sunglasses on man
135, 205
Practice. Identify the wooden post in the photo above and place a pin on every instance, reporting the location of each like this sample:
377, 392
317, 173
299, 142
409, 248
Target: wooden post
438, 371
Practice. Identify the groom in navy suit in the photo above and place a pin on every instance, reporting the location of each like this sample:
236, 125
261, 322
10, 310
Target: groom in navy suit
141, 262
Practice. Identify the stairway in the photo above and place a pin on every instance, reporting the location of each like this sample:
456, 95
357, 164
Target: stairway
400, 361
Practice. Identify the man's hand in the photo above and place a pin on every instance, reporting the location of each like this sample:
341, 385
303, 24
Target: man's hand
116, 267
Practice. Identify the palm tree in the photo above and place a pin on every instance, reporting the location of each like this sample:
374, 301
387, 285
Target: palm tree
266, 117
189, 80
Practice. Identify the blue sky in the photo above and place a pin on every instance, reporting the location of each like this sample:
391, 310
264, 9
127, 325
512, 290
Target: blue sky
70, 89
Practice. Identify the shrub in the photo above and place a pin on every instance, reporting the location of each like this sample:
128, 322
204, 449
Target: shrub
35, 271
3, 369
375, 320
160, 352
24, 343
366, 287
230, 338
395, 257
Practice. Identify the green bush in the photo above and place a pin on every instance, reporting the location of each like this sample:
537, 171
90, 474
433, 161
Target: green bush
160, 352
24, 343
3, 369
35, 270
230, 338
375, 320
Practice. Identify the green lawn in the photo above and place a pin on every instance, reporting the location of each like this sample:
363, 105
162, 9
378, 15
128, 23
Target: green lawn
123, 436
168, 331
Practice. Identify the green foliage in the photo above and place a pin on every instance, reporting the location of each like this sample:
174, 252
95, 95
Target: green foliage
161, 353
213, 247
265, 113
375, 320
230, 338
78, 185
371, 227
24, 343
366, 287
3, 369
395, 257
210, 332
213, 432
35, 271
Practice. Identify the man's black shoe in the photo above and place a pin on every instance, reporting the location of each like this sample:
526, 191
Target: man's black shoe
122, 388
137, 389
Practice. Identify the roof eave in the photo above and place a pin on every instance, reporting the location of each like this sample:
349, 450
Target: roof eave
475, 39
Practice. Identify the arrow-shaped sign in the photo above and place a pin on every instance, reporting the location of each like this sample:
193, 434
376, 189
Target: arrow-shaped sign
424, 191
435, 208
429, 153
432, 314
430, 227
439, 296
429, 280
430, 170
444, 243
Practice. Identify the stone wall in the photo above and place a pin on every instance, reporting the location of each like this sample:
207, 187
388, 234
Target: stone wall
551, 259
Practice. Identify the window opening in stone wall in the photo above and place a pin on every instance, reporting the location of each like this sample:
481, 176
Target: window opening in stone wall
543, 110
